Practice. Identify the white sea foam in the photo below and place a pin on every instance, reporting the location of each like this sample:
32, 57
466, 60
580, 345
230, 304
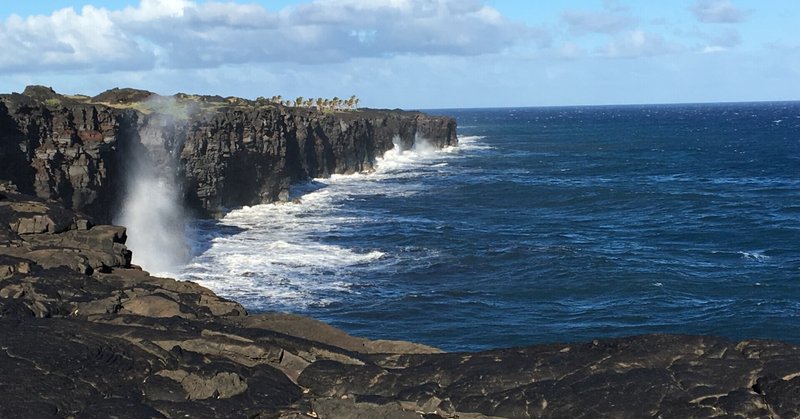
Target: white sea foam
754, 255
276, 255
472, 142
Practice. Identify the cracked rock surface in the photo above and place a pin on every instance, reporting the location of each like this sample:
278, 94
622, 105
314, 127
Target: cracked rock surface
85, 334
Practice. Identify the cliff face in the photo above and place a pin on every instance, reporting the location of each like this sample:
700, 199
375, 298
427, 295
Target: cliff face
225, 153
63, 153
243, 157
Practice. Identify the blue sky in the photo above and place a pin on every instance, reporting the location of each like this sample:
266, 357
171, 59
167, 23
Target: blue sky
411, 53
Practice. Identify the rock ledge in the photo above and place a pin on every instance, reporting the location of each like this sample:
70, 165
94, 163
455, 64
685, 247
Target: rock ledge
85, 334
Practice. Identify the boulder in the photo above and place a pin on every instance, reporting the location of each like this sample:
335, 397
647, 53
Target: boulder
222, 385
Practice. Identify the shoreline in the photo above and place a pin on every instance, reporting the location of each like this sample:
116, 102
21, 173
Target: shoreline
85, 333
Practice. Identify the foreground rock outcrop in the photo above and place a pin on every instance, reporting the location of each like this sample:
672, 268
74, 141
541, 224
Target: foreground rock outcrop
224, 152
85, 334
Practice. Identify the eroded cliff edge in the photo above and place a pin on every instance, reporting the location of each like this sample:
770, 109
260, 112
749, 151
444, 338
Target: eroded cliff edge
224, 152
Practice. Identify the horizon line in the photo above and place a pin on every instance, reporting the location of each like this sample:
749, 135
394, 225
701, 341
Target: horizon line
606, 105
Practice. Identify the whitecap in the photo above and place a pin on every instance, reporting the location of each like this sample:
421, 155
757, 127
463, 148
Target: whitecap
472, 142
754, 255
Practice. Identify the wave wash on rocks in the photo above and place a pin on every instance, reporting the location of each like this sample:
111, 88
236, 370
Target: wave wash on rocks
143, 160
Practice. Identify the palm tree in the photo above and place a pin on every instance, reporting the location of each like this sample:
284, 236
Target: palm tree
319, 103
351, 103
298, 102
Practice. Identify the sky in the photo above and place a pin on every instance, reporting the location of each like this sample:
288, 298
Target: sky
414, 54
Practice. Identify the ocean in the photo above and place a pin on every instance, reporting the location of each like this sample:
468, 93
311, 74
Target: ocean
555, 224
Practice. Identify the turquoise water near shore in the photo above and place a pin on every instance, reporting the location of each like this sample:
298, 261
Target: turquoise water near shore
543, 225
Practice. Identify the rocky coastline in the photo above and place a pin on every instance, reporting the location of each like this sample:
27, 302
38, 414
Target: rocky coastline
223, 152
86, 334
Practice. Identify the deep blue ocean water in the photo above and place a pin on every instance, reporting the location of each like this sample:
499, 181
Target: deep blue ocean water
544, 225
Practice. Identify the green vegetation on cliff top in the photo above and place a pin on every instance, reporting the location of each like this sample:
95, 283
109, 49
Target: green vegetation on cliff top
181, 105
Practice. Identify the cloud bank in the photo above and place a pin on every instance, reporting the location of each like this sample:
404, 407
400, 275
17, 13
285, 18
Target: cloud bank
176, 34
412, 53
201, 35
623, 36
614, 18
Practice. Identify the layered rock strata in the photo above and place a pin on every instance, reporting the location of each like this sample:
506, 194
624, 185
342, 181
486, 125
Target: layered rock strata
83, 334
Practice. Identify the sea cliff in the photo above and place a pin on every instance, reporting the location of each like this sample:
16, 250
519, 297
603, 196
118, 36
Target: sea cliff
83, 333
223, 152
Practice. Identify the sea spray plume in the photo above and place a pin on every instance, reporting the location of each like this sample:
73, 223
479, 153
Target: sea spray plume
152, 209
420, 145
423, 146
406, 154
397, 144
155, 220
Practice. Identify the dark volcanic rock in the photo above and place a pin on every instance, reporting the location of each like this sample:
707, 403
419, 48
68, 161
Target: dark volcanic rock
224, 152
59, 149
250, 155
41, 93
51, 236
119, 96
115, 341
85, 334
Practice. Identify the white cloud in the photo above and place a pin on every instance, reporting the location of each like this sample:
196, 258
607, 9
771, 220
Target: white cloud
718, 11
68, 40
614, 18
188, 34
711, 49
154, 9
638, 43
722, 41
569, 51
624, 38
